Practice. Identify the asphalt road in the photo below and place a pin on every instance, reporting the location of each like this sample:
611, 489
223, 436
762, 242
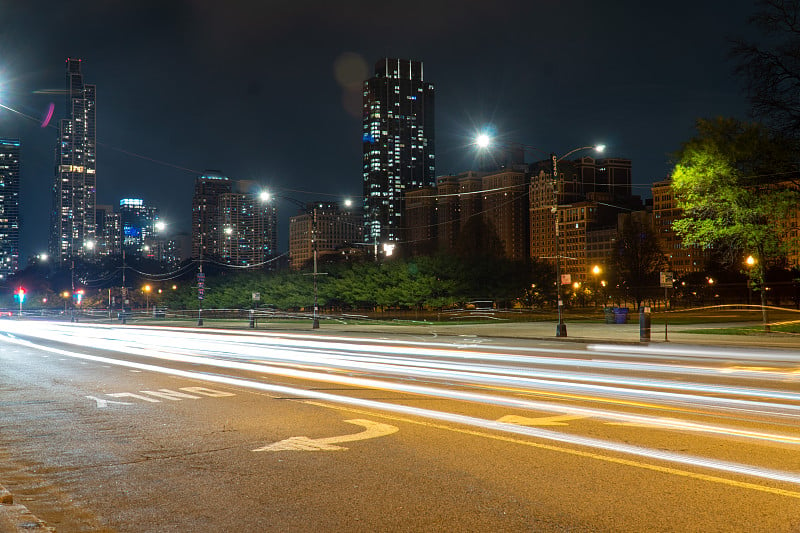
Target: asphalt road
156, 429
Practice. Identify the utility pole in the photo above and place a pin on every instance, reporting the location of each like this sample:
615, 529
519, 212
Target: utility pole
315, 323
201, 285
561, 328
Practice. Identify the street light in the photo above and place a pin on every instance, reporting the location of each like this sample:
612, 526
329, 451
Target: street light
596, 270
266, 196
147, 289
483, 141
756, 273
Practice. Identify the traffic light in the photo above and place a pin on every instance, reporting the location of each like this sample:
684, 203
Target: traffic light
19, 295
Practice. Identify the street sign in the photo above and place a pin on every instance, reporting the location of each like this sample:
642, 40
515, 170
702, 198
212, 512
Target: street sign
666, 279
256, 296
566, 279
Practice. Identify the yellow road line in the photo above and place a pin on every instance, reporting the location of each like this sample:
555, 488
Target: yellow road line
579, 453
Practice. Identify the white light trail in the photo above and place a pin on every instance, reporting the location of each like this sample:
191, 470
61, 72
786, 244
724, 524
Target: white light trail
725, 466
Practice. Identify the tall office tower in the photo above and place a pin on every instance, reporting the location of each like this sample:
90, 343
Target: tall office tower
205, 212
398, 141
138, 223
72, 224
329, 225
247, 229
9, 207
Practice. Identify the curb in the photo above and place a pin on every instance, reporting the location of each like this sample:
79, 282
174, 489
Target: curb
16, 518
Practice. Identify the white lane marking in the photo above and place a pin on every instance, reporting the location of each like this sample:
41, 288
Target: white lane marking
373, 430
590, 442
162, 393
102, 404
170, 395
132, 395
560, 420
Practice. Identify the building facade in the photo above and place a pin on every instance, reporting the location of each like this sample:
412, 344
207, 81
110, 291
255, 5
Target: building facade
9, 206
73, 224
138, 223
398, 144
329, 226
109, 231
246, 229
208, 189
681, 259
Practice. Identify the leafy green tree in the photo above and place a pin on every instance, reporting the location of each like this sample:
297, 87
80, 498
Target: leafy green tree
732, 182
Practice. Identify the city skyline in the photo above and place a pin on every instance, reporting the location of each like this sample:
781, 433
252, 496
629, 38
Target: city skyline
175, 104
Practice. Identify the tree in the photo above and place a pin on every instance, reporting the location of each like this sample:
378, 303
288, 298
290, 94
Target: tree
638, 258
771, 68
732, 183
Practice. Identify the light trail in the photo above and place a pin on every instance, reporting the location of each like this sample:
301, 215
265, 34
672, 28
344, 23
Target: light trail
470, 374
184, 351
660, 455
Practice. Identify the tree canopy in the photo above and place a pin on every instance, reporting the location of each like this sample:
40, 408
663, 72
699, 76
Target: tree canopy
732, 181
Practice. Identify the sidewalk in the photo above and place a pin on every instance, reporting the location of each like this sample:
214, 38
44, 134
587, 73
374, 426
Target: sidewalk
587, 332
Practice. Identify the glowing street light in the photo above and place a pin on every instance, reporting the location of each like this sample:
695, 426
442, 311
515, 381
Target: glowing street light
147, 289
483, 141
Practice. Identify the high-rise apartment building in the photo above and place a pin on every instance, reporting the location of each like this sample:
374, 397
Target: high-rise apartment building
109, 231
208, 189
247, 229
72, 225
9, 207
398, 142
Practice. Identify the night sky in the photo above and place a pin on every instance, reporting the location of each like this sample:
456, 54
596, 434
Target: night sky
271, 91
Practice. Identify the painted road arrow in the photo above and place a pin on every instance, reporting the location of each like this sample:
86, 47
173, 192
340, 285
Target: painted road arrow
558, 420
373, 430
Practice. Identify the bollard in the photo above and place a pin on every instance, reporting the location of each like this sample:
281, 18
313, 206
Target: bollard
644, 324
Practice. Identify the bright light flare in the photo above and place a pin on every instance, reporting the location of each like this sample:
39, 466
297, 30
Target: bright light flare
483, 140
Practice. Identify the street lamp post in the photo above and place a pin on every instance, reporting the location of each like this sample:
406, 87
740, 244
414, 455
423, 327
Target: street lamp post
266, 196
484, 141
752, 263
561, 327
596, 270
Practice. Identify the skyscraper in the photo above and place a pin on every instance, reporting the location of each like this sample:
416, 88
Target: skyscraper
9, 207
398, 141
72, 224
205, 212
247, 229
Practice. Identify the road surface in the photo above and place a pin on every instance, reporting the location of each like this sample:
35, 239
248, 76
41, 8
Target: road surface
127, 428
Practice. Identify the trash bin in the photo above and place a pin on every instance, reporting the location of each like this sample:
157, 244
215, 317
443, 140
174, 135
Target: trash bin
620, 315
608, 312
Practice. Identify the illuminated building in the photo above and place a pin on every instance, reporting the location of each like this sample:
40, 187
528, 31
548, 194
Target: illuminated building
109, 231
205, 212
336, 229
138, 224
72, 217
246, 229
398, 144
9, 207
